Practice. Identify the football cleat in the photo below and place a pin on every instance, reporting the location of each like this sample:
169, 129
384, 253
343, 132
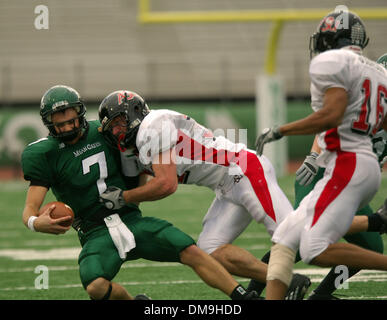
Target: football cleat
252, 295
382, 213
298, 287
142, 296
320, 296
254, 285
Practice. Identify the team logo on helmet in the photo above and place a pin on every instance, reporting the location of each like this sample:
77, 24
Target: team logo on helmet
59, 104
124, 96
329, 24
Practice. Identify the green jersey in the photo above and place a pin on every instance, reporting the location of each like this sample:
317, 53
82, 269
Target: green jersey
77, 174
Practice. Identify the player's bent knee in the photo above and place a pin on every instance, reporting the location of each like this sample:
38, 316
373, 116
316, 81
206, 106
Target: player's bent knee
281, 264
188, 254
220, 253
99, 289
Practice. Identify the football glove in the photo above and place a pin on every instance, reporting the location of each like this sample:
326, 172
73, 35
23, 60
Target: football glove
308, 170
267, 135
382, 212
112, 198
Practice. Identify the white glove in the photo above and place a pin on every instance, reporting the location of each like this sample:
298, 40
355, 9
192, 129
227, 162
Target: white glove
267, 135
112, 198
308, 170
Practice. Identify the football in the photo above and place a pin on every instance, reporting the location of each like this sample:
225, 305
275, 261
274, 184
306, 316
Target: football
61, 210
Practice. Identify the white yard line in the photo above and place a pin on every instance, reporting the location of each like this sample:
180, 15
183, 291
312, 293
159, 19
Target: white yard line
64, 253
174, 282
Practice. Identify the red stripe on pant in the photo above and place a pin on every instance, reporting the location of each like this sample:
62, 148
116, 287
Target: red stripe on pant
256, 175
249, 163
344, 168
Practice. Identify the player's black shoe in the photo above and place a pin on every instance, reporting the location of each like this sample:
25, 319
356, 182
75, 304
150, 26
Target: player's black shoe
298, 287
256, 286
252, 295
382, 213
319, 296
142, 296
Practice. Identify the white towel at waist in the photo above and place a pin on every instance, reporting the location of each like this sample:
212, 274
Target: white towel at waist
122, 237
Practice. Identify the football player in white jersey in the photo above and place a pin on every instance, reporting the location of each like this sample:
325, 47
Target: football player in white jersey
348, 98
174, 149
309, 174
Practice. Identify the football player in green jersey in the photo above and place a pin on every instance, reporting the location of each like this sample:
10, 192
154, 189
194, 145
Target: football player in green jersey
78, 165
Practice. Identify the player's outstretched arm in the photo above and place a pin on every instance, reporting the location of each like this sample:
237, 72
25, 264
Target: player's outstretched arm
330, 116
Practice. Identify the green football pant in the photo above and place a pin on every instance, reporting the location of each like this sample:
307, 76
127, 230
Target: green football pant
156, 240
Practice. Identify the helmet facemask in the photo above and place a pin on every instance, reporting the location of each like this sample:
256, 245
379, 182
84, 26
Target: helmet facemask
125, 138
68, 135
132, 108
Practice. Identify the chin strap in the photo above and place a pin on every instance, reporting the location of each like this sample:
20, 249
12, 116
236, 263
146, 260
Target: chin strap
119, 145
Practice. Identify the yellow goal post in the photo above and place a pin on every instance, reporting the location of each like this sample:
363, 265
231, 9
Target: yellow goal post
269, 87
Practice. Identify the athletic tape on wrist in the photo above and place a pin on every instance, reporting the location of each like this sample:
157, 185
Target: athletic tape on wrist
30, 222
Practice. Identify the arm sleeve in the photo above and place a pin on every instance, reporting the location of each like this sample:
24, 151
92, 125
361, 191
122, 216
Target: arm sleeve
35, 168
329, 70
155, 138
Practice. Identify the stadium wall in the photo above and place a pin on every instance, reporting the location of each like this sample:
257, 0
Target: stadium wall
99, 46
20, 126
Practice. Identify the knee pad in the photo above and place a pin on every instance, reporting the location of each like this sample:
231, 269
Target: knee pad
281, 264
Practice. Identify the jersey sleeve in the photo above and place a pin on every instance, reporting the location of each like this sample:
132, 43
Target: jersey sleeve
35, 166
131, 164
329, 70
155, 137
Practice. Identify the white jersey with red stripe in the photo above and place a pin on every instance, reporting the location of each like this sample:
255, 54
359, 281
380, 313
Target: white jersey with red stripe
366, 84
201, 158
352, 176
245, 184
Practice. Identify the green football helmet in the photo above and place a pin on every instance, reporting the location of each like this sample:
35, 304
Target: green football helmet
59, 98
383, 60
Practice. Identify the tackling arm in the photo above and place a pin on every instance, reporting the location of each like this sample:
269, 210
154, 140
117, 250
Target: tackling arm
162, 185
